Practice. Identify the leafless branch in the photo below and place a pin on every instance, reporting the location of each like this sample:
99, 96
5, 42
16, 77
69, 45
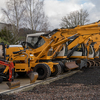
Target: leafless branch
75, 18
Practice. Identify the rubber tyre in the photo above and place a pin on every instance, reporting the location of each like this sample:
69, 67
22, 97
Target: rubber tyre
43, 71
57, 70
1, 79
62, 66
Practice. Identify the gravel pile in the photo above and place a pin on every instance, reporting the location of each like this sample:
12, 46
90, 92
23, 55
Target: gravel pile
84, 85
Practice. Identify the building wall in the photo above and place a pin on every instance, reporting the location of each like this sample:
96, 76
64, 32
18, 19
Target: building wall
8, 26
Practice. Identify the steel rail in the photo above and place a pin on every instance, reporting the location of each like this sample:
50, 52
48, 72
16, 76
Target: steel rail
47, 81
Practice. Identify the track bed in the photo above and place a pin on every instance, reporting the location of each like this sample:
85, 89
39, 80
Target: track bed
84, 85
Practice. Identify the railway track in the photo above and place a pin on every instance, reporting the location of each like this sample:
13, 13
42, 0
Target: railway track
38, 82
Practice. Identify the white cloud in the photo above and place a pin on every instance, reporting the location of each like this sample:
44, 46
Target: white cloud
2, 5
88, 6
56, 9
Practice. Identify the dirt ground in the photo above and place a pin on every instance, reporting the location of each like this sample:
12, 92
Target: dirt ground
84, 85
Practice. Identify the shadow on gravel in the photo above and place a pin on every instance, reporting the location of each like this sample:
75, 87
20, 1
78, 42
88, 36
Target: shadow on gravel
6, 97
89, 76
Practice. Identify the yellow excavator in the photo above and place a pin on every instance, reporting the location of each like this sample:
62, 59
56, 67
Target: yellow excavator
7, 69
36, 57
27, 59
83, 51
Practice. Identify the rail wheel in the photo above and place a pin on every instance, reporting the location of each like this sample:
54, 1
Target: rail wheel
96, 63
92, 63
88, 64
57, 70
43, 71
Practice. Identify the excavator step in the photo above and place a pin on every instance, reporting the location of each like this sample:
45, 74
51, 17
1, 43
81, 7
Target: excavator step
71, 65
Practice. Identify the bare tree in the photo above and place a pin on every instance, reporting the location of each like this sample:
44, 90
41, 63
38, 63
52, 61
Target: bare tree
13, 13
36, 17
75, 18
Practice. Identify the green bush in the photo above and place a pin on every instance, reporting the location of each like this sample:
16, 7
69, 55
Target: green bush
6, 36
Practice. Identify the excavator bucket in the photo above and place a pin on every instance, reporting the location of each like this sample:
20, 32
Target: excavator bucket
33, 76
13, 85
71, 65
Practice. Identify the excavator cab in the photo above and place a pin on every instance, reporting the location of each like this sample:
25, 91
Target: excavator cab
35, 40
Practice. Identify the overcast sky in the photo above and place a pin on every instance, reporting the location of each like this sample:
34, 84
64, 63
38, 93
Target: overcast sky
56, 9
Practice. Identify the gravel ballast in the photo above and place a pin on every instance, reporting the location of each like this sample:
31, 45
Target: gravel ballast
84, 85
